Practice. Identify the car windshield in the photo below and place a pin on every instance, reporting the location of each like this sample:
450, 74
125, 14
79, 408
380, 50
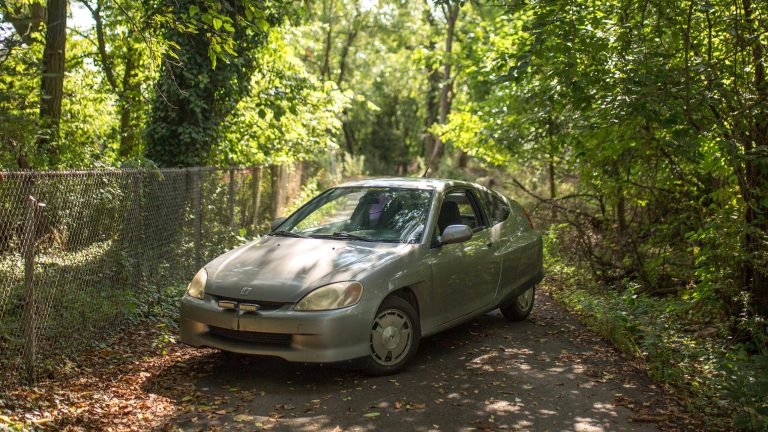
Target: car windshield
379, 214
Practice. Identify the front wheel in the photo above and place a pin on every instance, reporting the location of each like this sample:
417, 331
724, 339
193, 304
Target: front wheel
521, 307
394, 337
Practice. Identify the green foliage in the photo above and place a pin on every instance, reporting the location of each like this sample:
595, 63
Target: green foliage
676, 341
685, 339
376, 56
747, 386
623, 119
637, 132
289, 114
89, 119
195, 94
19, 101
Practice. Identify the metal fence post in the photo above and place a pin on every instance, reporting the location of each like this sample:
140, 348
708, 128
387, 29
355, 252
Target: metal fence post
141, 242
231, 197
28, 250
198, 217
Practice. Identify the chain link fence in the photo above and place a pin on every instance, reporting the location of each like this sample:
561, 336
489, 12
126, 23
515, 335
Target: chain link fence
83, 254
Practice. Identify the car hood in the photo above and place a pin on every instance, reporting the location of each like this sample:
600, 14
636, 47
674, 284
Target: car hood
283, 269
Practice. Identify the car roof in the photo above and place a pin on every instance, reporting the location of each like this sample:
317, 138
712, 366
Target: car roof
409, 183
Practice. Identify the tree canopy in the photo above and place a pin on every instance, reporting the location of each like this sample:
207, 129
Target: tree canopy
635, 132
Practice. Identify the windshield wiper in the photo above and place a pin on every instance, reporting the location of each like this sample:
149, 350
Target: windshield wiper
284, 233
342, 235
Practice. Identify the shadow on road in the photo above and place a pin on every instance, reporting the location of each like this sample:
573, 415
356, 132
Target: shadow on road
546, 373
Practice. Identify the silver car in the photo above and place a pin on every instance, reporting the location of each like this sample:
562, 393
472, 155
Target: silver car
364, 270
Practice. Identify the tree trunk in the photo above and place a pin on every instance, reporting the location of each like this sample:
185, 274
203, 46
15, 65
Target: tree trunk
325, 70
129, 105
433, 89
193, 98
463, 159
351, 36
349, 137
451, 11
127, 91
52, 83
447, 83
755, 143
552, 184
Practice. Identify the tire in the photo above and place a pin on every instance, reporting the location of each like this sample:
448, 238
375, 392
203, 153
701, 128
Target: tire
521, 306
391, 350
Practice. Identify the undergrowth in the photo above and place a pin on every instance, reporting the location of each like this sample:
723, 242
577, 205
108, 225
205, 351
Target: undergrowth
686, 346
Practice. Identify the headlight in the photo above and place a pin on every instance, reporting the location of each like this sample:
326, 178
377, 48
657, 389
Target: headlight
196, 288
334, 296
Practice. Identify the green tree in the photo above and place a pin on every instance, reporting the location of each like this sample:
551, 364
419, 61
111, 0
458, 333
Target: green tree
204, 75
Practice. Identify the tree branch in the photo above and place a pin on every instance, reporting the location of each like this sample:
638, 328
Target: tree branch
106, 64
554, 202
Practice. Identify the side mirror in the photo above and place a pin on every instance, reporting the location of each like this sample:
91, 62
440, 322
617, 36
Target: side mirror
456, 234
276, 223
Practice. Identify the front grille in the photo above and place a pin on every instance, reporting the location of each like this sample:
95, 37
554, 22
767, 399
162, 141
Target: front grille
281, 339
263, 305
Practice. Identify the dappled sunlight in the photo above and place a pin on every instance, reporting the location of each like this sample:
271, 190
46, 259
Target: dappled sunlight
487, 374
484, 375
502, 407
604, 408
587, 425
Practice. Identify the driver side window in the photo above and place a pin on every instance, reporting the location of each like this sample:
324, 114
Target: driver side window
459, 208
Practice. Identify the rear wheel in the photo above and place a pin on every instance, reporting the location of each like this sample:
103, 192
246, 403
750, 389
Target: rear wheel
394, 337
521, 307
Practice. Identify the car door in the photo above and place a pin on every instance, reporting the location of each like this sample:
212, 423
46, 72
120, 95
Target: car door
520, 248
464, 275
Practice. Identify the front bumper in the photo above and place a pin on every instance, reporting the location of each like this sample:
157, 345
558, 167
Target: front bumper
313, 337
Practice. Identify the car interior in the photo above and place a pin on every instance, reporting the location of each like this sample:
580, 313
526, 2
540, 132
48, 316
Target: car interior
376, 211
458, 209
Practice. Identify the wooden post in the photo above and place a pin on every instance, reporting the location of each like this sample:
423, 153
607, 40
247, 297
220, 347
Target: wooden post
33, 209
198, 217
257, 174
274, 185
231, 197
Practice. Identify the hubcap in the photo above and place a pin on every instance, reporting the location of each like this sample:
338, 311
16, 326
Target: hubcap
525, 299
391, 337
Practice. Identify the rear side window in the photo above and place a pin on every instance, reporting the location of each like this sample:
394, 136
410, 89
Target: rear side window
498, 210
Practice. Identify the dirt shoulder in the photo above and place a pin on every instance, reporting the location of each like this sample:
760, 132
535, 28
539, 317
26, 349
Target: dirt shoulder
546, 373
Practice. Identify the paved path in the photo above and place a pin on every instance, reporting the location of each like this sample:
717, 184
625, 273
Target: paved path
546, 373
